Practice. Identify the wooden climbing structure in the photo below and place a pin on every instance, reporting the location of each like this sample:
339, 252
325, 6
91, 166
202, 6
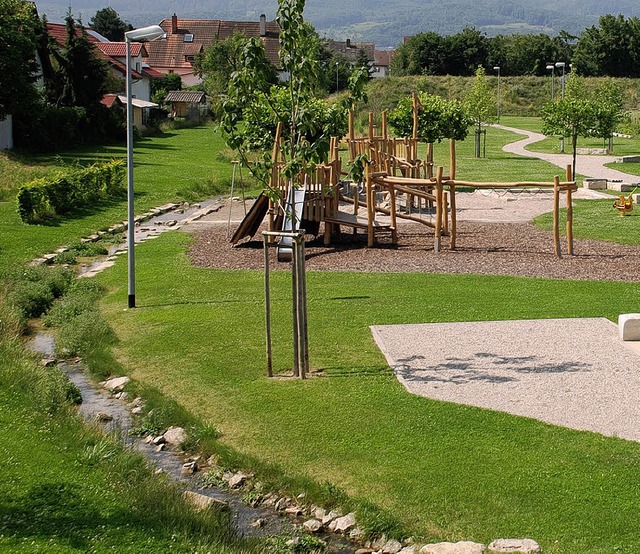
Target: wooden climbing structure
396, 184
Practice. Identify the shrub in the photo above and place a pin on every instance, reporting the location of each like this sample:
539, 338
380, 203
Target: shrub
47, 197
80, 298
33, 289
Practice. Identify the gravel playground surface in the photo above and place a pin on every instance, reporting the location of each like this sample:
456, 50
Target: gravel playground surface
520, 367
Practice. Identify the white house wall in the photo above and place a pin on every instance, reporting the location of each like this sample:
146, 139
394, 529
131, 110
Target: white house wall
6, 133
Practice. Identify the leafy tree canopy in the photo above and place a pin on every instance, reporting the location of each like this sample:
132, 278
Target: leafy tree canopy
19, 29
438, 119
107, 22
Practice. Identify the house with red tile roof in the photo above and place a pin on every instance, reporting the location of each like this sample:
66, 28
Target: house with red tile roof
382, 63
114, 53
186, 38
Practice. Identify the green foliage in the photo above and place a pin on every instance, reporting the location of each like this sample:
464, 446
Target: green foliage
479, 100
81, 297
33, 289
47, 197
254, 107
609, 49
160, 86
583, 113
107, 22
438, 119
81, 76
18, 67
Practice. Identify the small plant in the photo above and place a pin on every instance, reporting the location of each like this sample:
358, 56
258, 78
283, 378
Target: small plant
286, 544
83, 334
81, 298
97, 453
65, 258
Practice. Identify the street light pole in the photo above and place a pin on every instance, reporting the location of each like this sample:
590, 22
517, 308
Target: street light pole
553, 78
562, 65
497, 68
337, 77
152, 32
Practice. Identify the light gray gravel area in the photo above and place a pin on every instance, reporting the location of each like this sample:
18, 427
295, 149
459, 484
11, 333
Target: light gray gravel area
575, 373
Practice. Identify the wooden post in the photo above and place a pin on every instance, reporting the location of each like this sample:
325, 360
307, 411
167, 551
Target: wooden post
438, 229
556, 216
300, 302
452, 159
414, 133
370, 207
296, 310
452, 196
445, 213
352, 136
430, 160
569, 212
267, 306
392, 209
371, 133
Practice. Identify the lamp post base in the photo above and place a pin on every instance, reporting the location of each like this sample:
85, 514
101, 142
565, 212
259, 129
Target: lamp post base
132, 301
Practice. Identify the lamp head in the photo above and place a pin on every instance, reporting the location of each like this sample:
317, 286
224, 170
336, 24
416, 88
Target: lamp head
152, 32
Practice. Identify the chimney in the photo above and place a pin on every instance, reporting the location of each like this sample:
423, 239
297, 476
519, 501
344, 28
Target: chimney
174, 24
263, 25
348, 43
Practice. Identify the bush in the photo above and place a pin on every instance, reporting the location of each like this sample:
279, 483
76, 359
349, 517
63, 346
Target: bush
81, 298
33, 290
47, 197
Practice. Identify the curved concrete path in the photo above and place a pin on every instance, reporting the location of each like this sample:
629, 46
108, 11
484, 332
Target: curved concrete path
589, 166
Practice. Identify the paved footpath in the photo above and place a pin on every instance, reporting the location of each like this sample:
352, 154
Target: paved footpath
589, 166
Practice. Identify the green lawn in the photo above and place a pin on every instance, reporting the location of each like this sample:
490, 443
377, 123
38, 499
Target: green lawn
443, 471
447, 472
177, 165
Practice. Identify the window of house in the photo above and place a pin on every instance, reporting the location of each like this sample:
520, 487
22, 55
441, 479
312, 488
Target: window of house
188, 37
190, 58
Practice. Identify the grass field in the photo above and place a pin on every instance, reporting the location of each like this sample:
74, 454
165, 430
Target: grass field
445, 472
434, 469
185, 164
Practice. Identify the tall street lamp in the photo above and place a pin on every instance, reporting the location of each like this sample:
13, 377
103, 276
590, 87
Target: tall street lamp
497, 68
153, 32
553, 69
337, 77
562, 65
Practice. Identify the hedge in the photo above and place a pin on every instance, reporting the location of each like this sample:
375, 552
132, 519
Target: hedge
63, 193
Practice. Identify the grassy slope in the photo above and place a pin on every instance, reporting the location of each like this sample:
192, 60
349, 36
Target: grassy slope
445, 471
260, 416
175, 165
64, 488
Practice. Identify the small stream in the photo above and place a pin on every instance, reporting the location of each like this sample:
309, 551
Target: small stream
96, 400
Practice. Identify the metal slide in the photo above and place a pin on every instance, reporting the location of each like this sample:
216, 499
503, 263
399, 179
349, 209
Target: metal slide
292, 219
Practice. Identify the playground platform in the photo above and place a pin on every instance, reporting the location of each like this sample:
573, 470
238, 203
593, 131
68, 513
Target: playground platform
575, 373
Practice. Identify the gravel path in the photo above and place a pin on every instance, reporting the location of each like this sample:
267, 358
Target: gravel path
589, 166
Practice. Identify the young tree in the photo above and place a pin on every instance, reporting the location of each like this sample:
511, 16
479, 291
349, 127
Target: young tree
479, 103
438, 119
19, 29
573, 116
254, 106
107, 22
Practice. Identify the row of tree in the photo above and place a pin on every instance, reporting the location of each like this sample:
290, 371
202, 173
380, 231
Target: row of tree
609, 49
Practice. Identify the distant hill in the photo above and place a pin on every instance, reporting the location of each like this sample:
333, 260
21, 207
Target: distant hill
384, 22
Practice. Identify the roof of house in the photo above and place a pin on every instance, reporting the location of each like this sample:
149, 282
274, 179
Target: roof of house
109, 100
350, 50
382, 58
188, 37
189, 97
119, 49
137, 102
108, 51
